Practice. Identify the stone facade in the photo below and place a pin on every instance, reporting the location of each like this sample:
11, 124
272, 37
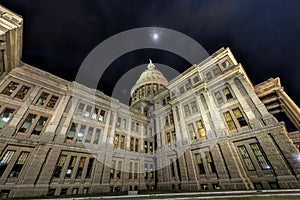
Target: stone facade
204, 130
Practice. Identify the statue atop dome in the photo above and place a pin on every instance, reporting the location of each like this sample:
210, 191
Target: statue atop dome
151, 66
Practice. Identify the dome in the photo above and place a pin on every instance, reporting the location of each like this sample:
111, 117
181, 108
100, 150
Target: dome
151, 77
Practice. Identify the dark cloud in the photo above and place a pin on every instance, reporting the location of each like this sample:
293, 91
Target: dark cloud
263, 35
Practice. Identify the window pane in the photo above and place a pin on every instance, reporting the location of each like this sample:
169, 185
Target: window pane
216, 71
88, 111
52, 102
260, 157
27, 123
5, 116
6, 160
95, 113
219, 97
228, 94
80, 108
238, 115
194, 107
10, 88
192, 131
229, 121
101, 116
22, 92
71, 166
246, 157
201, 130
89, 168
81, 133
89, 135
97, 135
19, 164
42, 99
187, 111
80, 167
72, 131
58, 168
40, 125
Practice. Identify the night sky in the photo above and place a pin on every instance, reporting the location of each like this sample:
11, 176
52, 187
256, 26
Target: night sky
263, 35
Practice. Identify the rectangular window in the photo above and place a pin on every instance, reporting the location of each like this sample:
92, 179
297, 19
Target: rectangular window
89, 135
146, 146
71, 167
39, 126
122, 142
171, 119
112, 170
181, 90
119, 170
238, 115
12, 86
116, 140
187, 111
151, 147
245, 156
52, 101
136, 170
72, 131
6, 116
42, 99
88, 111
101, 116
130, 171
168, 137
199, 163
90, 168
219, 97
59, 166
174, 137
151, 172
192, 131
22, 92
27, 123
172, 168
19, 164
80, 167
95, 113
216, 71
208, 76
80, 109
124, 124
136, 145
194, 107
259, 156
166, 121
228, 94
81, 132
210, 163
145, 171
6, 160
131, 144
97, 136
201, 130
229, 121
118, 124
196, 79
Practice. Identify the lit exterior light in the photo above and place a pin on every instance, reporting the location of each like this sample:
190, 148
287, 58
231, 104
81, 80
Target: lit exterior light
155, 36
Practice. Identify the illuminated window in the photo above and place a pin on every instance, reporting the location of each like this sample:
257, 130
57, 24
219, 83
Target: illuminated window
81, 132
199, 163
101, 116
210, 163
145, 171
151, 147
72, 131
219, 97
88, 111
19, 164
112, 170
201, 130
59, 166
229, 121
52, 102
22, 92
89, 135
80, 109
116, 140
168, 139
12, 86
238, 115
259, 156
6, 116
151, 172
192, 131
227, 93
122, 142
39, 126
187, 111
97, 136
146, 146
245, 156
71, 167
27, 123
6, 160
42, 99
194, 107
95, 113
80, 167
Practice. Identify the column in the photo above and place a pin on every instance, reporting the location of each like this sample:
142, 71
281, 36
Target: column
177, 127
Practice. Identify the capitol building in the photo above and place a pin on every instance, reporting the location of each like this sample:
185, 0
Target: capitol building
208, 129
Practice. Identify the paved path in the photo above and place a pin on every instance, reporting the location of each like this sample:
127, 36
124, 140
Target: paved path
194, 195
